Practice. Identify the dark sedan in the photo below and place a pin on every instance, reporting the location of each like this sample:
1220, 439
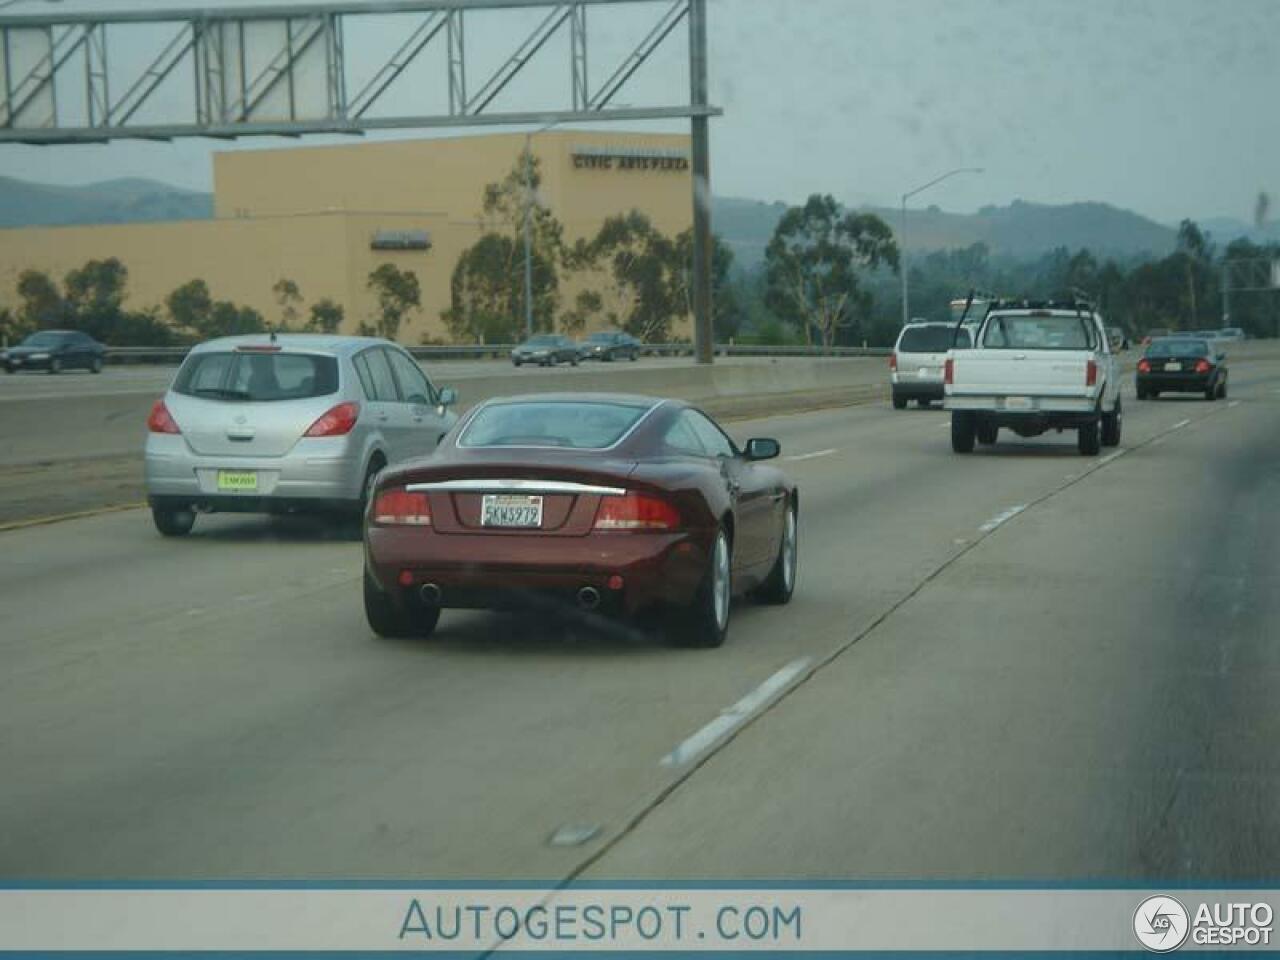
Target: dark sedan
1182, 365
546, 350
610, 345
598, 502
55, 351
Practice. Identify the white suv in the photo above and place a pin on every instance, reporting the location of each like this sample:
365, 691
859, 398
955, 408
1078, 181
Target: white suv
915, 367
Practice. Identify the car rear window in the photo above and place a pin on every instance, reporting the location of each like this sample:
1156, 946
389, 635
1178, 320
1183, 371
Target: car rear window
1031, 332
931, 339
237, 376
1180, 347
575, 425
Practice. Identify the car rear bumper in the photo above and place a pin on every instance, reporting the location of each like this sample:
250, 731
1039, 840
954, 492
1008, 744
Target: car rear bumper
1188, 382
1044, 406
918, 389
312, 477
488, 571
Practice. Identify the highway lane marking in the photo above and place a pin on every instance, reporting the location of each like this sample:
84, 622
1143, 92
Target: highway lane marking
1112, 456
1000, 518
731, 719
812, 456
1180, 424
77, 515
1233, 403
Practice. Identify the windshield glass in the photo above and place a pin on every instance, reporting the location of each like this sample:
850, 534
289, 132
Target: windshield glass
1179, 347
584, 426
1028, 332
257, 377
45, 339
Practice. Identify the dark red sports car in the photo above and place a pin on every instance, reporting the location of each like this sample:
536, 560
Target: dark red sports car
619, 503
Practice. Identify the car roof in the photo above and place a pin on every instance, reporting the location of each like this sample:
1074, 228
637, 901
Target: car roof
624, 399
308, 342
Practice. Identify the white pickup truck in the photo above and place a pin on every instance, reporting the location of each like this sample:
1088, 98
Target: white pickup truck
1035, 367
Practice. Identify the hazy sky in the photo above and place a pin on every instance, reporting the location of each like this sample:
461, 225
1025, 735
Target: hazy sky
1167, 107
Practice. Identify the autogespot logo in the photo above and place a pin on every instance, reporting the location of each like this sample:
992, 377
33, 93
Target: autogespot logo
1161, 924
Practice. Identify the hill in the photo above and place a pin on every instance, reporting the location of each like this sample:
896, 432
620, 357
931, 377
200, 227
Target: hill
1020, 230
27, 204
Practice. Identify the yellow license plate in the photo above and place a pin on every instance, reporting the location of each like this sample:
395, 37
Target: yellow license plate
237, 480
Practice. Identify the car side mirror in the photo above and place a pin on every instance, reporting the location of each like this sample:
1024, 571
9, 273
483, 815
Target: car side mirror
446, 398
763, 448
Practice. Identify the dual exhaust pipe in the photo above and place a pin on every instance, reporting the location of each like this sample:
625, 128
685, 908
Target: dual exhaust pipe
588, 597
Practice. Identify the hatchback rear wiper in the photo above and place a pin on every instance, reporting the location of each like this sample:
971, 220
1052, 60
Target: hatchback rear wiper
222, 393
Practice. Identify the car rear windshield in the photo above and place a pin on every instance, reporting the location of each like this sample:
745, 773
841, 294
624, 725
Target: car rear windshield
931, 339
1031, 332
241, 376
1179, 347
575, 425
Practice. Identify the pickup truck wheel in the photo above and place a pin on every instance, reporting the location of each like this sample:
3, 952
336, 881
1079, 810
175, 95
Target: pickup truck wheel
1111, 423
987, 433
1088, 439
899, 403
963, 431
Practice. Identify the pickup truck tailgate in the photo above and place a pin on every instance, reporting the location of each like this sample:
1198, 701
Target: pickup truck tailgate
1041, 373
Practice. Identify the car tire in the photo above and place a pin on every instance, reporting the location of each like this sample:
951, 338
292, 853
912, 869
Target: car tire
963, 431
1222, 389
781, 581
394, 621
95, 365
1088, 439
1111, 425
986, 433
634, 356
55, 366
706, 621
1211, 393
515, 363
573, 362
1141, 392
173, 523
899, 403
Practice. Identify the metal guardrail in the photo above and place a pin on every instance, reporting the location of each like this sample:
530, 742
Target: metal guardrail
500, 351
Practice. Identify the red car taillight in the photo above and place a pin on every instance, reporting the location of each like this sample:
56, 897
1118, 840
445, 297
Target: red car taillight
338, 422
1203, 366
949, 371
398, 507
893, 361
1144, 366
636, 511
160, 420
1090, 374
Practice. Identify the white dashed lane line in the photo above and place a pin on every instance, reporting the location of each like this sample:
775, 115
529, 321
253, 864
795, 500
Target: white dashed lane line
1000, 518
811, 456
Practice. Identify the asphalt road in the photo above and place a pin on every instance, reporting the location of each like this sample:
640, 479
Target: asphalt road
1022, 664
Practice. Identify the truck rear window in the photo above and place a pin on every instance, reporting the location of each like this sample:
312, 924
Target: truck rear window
1030, 332
931, 339
236, 376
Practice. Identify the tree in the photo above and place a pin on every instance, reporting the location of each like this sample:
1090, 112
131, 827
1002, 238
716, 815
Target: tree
228, 320
99, 285
726, 312
813, 262
190, 306
326, 316
398, 293
42, 304
639, 272
288, 297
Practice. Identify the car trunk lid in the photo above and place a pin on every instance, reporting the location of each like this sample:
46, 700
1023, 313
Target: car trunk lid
227, 428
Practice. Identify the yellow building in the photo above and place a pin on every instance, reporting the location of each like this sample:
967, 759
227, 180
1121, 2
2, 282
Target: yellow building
325, 217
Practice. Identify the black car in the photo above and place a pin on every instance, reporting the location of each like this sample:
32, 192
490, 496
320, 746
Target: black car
1182, 365
610, 345
546, 349
55, 351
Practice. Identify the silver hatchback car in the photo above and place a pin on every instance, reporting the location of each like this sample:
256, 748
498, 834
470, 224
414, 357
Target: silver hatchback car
285, 423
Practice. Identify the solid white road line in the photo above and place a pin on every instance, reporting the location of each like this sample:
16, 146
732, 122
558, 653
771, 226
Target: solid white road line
811, 456
735, 716
1000, 518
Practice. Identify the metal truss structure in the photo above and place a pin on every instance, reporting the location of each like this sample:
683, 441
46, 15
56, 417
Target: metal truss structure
1253, 275
283, 70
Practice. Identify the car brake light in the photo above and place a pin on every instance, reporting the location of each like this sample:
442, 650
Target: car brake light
636, 511
338, 422
1144, 366
258, 348
1090, 374
949, 371
160, 420
402, 508
1203, 366
893, 361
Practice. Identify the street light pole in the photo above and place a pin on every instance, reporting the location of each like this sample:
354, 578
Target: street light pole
902, 233
528, 215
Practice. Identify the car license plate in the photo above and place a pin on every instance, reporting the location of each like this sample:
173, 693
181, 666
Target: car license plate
237, 481
510, 510
1017, 403
1175, 367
